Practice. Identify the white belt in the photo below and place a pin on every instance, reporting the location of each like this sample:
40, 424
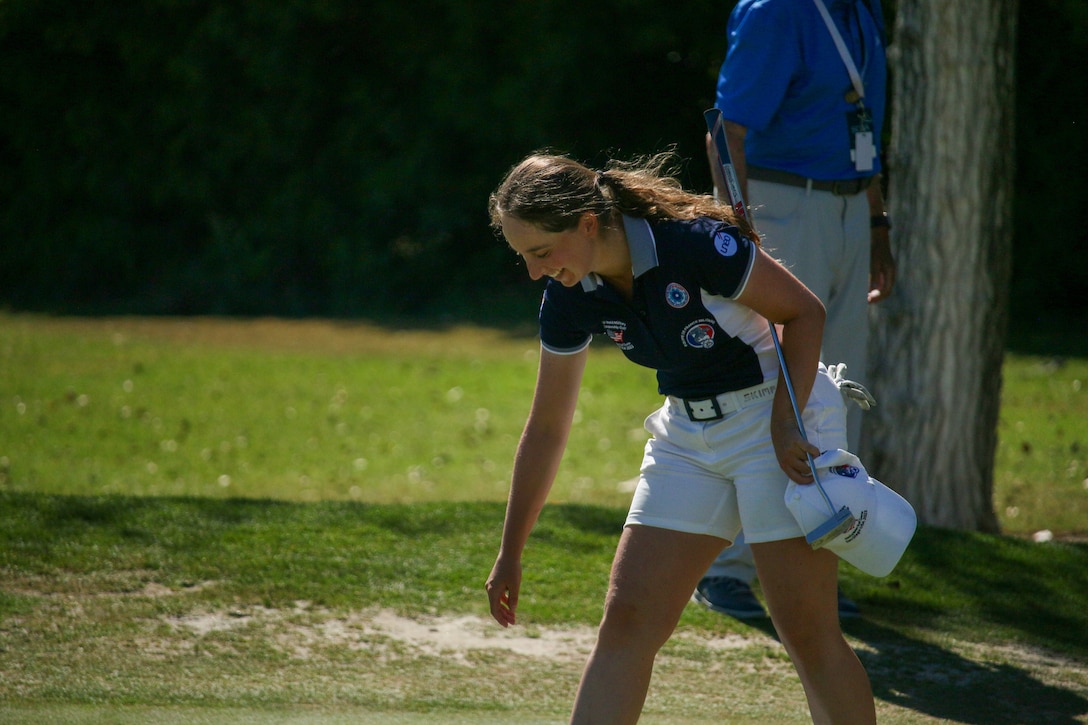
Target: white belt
702, 410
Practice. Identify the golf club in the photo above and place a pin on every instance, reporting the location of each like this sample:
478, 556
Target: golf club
840, 520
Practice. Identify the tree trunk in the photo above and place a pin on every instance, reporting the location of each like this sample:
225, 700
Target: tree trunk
938, 341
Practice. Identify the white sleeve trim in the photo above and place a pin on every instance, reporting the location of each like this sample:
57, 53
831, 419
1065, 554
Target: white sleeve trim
748, 273
568, 350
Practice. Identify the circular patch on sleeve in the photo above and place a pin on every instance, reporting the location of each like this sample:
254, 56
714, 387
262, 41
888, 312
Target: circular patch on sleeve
725, 243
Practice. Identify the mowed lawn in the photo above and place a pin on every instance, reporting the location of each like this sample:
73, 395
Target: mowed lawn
291, 521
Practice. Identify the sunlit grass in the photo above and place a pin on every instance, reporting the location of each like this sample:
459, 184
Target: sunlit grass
1042, 456
309, 411
99, 408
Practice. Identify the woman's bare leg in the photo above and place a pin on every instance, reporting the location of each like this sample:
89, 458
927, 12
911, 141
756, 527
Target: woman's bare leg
800, 586
653, 576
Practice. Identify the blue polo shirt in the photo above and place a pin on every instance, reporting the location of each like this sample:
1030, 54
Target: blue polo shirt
682, 320
783, 80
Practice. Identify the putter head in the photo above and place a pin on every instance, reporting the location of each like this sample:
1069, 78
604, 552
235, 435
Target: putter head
831, 529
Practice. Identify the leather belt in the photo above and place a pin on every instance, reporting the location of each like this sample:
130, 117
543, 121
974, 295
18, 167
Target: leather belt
842, 187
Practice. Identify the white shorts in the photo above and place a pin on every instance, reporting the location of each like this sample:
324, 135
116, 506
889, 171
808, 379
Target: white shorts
715, 478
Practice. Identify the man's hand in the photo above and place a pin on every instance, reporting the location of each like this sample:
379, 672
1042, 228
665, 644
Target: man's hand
881, 266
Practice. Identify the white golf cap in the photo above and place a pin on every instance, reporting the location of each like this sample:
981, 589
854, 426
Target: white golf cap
884, 521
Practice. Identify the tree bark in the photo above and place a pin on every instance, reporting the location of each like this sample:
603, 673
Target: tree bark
938, 342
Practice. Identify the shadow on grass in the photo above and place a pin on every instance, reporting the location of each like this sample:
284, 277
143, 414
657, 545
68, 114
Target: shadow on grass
602, 520
120, 513
961, 584
1037, 590
998, 591
926, 678
930, 679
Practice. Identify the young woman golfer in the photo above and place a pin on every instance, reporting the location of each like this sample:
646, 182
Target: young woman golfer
680, 287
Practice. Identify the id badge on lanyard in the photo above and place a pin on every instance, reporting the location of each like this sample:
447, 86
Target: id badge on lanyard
862, 146
859, 121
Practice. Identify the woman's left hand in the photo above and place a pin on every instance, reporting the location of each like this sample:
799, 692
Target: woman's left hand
792, 450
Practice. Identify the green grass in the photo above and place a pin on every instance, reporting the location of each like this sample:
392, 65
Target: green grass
324, 411
1042, 456
97, 591
106, 407
432, 559
199, 521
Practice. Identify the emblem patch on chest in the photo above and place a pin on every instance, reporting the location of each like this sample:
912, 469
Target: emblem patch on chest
677, 296
699, 334
616, 329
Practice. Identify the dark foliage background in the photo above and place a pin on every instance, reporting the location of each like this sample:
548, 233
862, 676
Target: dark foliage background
331, 157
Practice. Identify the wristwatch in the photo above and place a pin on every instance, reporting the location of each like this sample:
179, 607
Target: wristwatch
880, 220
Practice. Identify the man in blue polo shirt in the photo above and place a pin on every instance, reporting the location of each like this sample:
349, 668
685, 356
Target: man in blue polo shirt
802, 90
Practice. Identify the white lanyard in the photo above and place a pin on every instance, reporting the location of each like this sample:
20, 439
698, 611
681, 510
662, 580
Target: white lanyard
855, 77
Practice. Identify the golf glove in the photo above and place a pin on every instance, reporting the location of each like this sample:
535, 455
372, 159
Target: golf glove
851, 391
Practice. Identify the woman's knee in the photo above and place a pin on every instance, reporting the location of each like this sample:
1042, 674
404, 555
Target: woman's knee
629, 621
809, 641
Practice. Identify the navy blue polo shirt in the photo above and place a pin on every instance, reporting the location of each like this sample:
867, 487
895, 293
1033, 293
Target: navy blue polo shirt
682, 320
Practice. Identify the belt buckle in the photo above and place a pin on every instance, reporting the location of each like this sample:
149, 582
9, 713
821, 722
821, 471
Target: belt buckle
701, 411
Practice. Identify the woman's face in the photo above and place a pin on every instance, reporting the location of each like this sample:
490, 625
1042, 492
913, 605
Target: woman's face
565, 256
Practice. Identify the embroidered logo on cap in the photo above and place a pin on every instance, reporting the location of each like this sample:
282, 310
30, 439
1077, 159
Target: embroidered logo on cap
859, 524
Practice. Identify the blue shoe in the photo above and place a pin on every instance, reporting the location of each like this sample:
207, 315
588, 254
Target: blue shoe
848, 609
729, 596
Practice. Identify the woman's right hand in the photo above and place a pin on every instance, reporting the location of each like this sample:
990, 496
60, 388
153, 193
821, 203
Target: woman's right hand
502, 590
535, 463
792, 450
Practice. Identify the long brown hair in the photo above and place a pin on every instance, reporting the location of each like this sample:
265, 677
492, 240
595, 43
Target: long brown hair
553, 192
